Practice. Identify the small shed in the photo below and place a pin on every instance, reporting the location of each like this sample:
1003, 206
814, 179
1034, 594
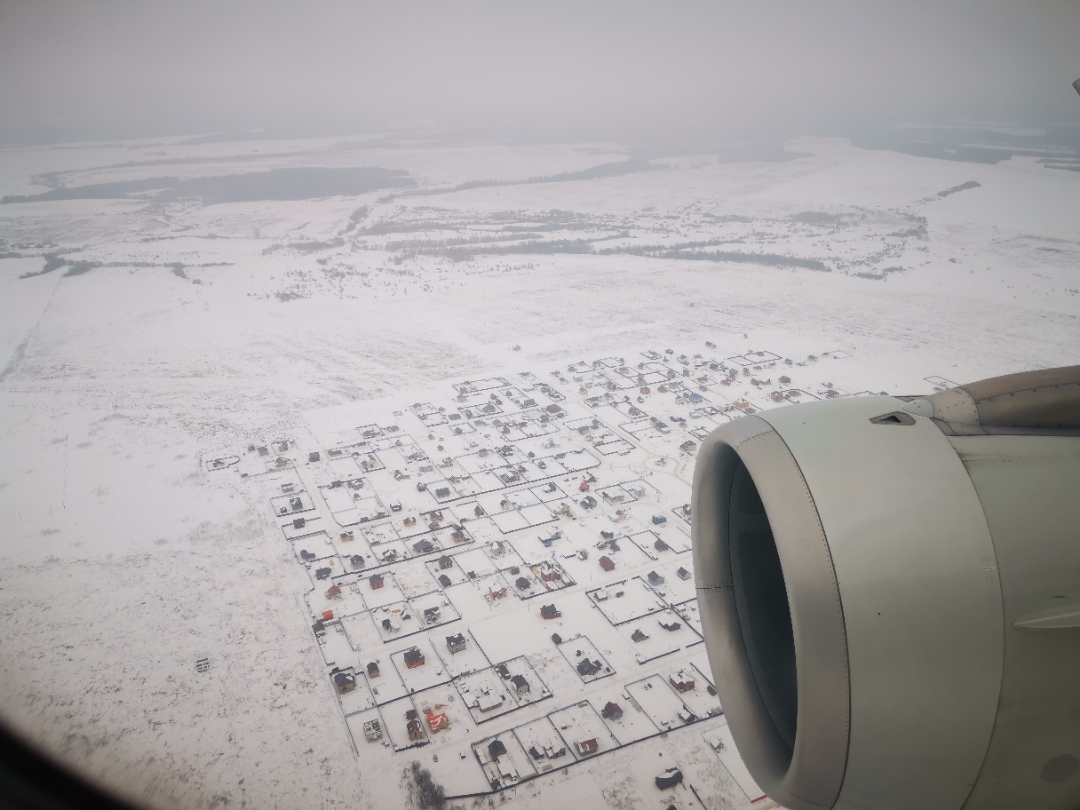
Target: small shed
556, 639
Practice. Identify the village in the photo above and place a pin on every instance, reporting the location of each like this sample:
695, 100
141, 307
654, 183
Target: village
500, 577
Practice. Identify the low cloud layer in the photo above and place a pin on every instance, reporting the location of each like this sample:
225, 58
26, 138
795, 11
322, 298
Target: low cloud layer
634, 72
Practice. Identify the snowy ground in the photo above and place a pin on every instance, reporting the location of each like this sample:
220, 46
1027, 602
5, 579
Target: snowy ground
171, 334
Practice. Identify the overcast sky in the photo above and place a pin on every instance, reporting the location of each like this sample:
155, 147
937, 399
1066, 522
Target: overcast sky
632, 71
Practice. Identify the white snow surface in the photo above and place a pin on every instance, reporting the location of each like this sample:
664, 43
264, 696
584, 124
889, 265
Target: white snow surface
125, 556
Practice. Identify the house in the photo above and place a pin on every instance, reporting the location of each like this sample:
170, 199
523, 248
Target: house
456, 644
431, 615
660, 545
587, 667
683, 574
670, 627
521, 686
589, 502
375, 581
444, 580
584, 486
612, 711
522, 583
416, 731
637, 636
498, 549
607, 564
413, 658
296, 504
344, 682
681, 681
313, 457
372, 670
437, 721
423, 547
372, 731
655, 579
319, 628
357, 561
458, 535
306, 555
549, 612
669, 779
556, 639
549, 572
322, 573
442, 492
409, 521
586, 747
606, 535
346, 537
446, 561
298, 523
488, 700
496, 749
333, 592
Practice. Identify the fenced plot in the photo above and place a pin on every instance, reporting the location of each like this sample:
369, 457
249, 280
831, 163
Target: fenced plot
486, 695
660, 701
418, 666
356, 697
300, 527
583, 729
405, 726
693, 688
585, 658
544, 745
624, 718
626, 601
313, 547
650, 641
458, 650
503, 760
292, 504
338, 596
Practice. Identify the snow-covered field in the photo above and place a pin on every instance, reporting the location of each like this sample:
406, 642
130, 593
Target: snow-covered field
169, 340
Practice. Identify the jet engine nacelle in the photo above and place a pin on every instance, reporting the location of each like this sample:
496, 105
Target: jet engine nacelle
890, 595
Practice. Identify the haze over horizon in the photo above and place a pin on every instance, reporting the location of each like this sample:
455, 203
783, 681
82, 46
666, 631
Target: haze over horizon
687, 75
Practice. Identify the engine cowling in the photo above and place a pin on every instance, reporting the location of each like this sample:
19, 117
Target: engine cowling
890, 595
